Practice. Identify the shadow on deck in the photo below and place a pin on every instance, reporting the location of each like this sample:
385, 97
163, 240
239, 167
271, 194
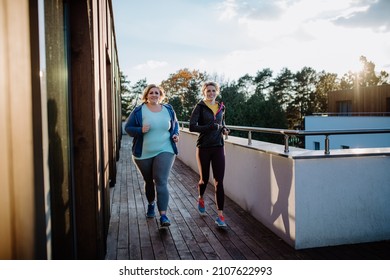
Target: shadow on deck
191, 236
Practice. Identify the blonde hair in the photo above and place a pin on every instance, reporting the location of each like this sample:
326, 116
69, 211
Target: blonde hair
214, 84
149, 87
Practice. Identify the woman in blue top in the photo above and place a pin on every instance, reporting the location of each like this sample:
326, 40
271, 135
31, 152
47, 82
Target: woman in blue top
155, 132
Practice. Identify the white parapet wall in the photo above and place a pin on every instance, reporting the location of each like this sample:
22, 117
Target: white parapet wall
305, 197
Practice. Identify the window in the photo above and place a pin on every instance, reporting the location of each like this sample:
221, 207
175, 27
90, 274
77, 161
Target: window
317, 146
344, 107
344, 147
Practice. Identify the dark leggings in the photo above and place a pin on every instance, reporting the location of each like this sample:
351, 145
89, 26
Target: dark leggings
155, 172
215, 156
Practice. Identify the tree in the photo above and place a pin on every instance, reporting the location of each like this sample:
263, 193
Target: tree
326, 82
126, 97
348, 80
183, 91
383, 78
178, 106
245, 86
137, 90
235, 103
274, 117
304, 95
254, 111
367, 76
190, 98
282, 87
130, 94
262, 81
179, 82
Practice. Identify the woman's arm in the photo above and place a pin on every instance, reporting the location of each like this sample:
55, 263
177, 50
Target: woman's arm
131, 126
194, 121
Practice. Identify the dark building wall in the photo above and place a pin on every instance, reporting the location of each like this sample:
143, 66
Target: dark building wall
67, 148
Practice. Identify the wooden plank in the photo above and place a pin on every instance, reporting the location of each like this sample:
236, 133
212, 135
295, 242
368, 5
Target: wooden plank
112, 237
196, 223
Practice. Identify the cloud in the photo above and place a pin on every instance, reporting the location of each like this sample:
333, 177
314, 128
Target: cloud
265, 10
375, 16
151, 64
235, 37
227, 10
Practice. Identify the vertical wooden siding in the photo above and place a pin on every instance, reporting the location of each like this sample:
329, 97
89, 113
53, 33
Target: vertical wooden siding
364, 99
92, 72
17, 172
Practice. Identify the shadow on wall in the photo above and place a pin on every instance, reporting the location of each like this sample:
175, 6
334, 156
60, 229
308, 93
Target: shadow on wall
283, 179
59, 194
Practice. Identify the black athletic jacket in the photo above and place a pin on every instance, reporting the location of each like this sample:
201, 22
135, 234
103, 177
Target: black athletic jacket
209, 126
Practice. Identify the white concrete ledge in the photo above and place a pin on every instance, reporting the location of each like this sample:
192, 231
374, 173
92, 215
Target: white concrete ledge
305, 197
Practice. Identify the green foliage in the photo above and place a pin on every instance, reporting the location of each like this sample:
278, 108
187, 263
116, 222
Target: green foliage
235, 102
303, 96
282, 87
262, 82
130, 94
326, 82
126, 97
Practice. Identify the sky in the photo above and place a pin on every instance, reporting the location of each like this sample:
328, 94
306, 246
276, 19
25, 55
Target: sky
231, 38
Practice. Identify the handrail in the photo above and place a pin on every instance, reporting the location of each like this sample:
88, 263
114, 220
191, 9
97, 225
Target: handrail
347, 114
290, 132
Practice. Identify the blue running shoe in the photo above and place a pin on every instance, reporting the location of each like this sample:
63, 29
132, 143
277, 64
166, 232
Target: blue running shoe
150, 213
201, 207
220, 221
164, 221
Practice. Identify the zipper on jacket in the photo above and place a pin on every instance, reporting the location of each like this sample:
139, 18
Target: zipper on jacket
219, 110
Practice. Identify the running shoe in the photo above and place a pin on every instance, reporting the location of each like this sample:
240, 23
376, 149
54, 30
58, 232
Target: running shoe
164, 221
220, 221
150, 213
201, 207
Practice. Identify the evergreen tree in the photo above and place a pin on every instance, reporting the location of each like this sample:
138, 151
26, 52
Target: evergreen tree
282, 87
126, 97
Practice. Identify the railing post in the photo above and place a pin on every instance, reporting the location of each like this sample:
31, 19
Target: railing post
249, 137
327, 152
286, 149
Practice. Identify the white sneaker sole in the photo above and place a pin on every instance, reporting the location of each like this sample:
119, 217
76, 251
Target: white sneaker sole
219, 225
202, 213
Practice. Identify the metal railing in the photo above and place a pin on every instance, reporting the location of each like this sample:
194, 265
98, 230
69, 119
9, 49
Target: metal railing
287, 133
355, 114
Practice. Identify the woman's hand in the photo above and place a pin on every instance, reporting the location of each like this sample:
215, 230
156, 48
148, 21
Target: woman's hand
215, 126
175, 138
225, 130
145, 128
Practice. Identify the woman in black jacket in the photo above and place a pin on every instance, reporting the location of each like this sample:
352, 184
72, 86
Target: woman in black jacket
207, 118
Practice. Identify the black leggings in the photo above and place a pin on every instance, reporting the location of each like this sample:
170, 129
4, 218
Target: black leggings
215, 156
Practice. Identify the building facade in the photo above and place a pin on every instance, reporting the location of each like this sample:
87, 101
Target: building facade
374, 100
358, 108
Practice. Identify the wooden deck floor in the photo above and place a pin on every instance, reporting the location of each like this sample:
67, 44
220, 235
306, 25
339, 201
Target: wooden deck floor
191, 236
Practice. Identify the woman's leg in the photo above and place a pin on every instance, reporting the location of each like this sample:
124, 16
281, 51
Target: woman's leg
145, 167
203, 160
162, 165
218, 165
